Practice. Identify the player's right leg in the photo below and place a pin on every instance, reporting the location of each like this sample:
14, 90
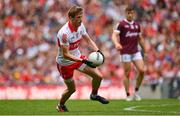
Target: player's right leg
67, 74
127, 69
66, 94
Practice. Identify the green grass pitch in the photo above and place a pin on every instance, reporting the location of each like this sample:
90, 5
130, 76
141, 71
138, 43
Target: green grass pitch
88, 107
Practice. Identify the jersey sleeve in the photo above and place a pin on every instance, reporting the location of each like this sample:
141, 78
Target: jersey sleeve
117, 28
84, 32
62, 39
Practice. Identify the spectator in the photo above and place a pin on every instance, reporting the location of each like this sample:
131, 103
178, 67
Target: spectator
28, 29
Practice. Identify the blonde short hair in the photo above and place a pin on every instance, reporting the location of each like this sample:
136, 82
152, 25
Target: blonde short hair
73, 11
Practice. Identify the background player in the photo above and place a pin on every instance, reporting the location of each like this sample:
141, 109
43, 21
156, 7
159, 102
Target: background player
69, 57
126, 37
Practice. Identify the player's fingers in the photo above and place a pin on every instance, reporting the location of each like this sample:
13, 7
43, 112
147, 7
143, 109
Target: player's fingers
119, 47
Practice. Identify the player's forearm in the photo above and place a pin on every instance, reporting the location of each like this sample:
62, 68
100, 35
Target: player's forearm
90, 42
93, 45
71, 57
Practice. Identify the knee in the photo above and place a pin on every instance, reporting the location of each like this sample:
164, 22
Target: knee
72, 91
127, 72
142, 70
99, 76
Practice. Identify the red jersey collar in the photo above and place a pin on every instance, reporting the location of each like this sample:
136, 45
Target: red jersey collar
71, 27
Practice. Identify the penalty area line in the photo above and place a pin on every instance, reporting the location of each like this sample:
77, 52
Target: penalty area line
134, 108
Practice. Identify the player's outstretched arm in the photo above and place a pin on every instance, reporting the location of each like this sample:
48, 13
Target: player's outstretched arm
93, 45
90, 42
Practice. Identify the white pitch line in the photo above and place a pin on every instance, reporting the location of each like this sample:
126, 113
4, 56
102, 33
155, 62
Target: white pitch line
133, 108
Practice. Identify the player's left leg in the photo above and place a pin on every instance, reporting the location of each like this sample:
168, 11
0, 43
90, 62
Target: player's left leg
139, 64
96, 81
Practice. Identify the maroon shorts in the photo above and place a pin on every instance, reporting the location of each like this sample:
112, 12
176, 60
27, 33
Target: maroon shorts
67, 71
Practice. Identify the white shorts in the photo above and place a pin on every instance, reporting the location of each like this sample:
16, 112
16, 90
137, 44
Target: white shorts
130, 57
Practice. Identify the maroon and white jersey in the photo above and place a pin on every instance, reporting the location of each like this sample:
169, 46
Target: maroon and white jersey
69, 37
129, 33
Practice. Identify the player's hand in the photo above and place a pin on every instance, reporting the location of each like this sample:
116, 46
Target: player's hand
118, 46
144, 55
145, 58
102, 55
89, 63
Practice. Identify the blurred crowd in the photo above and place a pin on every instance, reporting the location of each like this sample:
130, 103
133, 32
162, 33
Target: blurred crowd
28, 45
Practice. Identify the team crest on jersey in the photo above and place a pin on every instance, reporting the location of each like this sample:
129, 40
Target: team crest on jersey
72, 38
126, 26
64, 38
136, 26
132, 26
77, 34
81, 32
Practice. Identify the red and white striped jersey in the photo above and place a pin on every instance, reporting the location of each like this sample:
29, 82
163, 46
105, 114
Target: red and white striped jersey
69, 37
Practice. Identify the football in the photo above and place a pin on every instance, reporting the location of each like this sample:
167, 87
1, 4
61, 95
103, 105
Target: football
96, 58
